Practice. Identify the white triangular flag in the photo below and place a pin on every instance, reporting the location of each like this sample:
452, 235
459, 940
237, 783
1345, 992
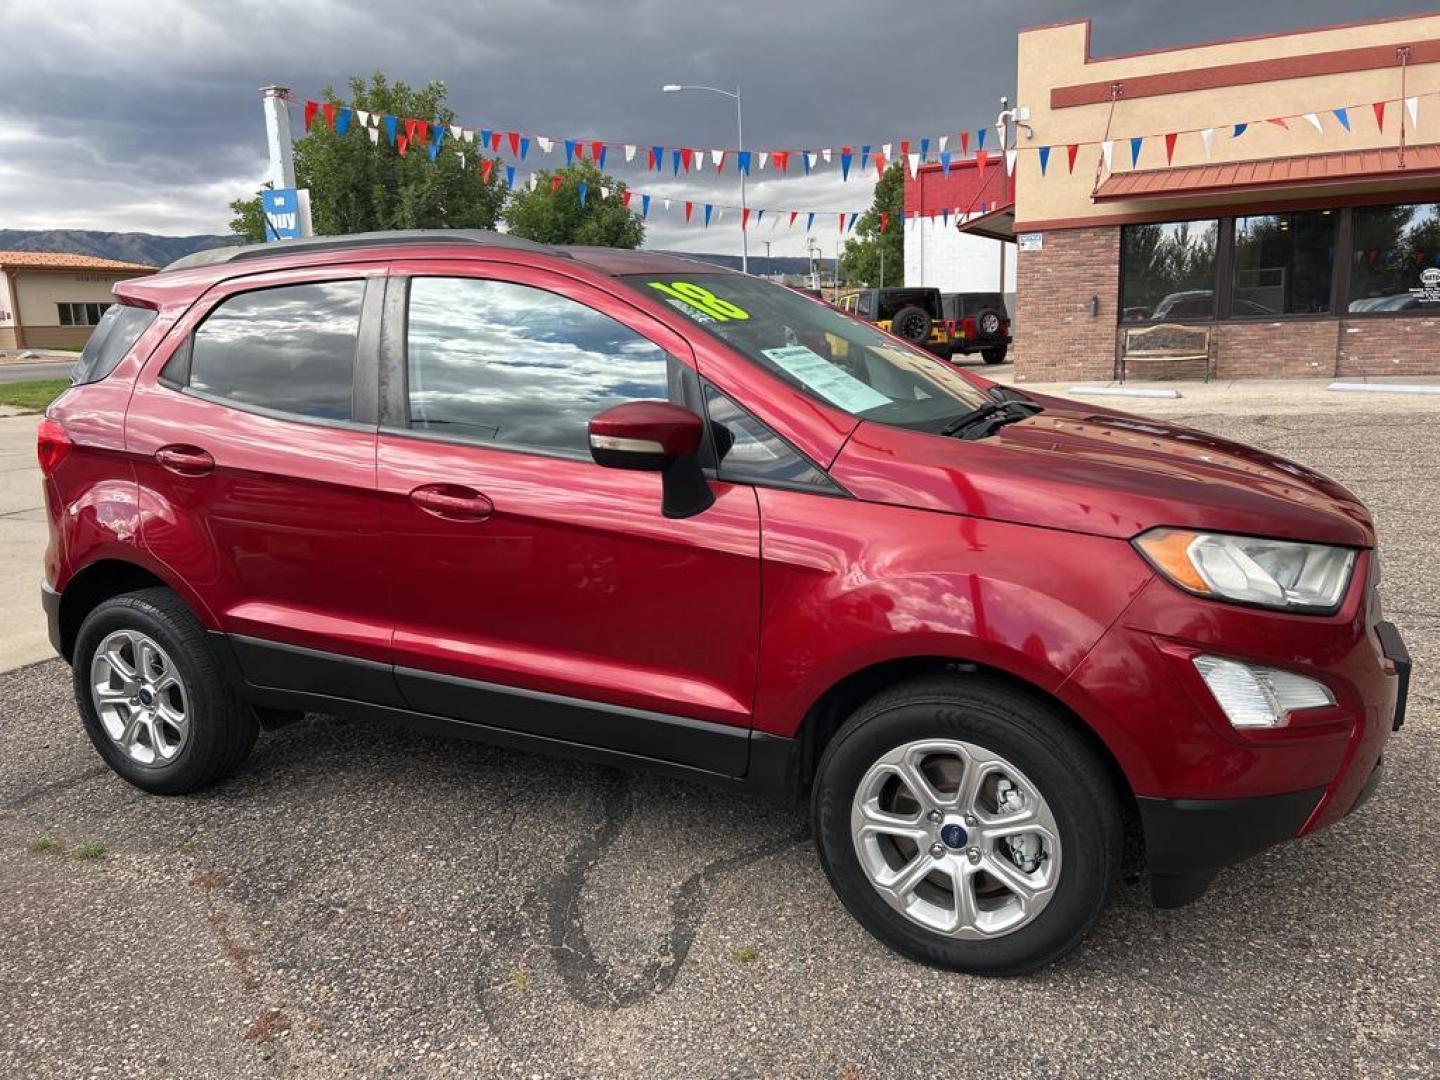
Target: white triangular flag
914, 160
1314, 121
545, 144
667, 203
604, 192
1107, 150
363, 117
460, 155
374, 135
534, 180
886, 150
775, 221
470, 135
456, 131
629, 152
764, 157
719, 215
717, 156
826, 155
944, 139
1010, 162
1412, 105
1207, 136
811, 157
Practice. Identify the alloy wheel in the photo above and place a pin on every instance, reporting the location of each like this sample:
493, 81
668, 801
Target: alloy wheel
140, 698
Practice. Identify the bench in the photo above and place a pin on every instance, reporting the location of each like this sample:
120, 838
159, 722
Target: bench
1165, 342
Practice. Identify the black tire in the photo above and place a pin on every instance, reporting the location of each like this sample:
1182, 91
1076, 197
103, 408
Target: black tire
1025, 730
913, 324
222, 728
989, 323
995, 355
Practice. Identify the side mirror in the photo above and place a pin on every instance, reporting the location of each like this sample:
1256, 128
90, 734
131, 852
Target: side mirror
655, 436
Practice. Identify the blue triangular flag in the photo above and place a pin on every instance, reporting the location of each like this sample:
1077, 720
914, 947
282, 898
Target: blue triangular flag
805, 161
853, 218
809, 220
342, 121
742, 162
845, 160
945, 217
864, 157
583, 188
601, 162
390, 129
924, 147
708, 211
945, 162
435, 142
510, 177
759, 215
659, 152
524, 146
644, 207
1044, 158
980, 138
569, 151
1239, 130
675, 161
484, 136
1135, 150
1343, 115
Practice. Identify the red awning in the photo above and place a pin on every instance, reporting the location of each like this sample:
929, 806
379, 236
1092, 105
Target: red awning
997, 224
1307, 171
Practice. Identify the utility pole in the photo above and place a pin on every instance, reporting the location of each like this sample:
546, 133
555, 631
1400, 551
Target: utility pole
768, 270
277, 137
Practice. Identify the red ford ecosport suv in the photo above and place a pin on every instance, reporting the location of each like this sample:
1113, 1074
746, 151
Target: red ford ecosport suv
633, 508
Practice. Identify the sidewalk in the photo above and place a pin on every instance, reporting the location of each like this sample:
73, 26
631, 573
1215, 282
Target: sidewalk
23, 638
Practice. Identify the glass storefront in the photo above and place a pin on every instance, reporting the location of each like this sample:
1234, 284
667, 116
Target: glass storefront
1366, 260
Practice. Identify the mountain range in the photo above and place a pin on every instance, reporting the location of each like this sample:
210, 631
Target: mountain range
156, 250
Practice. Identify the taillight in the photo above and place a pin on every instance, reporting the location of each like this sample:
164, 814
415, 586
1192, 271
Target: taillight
51, 445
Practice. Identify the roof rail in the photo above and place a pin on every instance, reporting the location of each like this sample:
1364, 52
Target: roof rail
396, 238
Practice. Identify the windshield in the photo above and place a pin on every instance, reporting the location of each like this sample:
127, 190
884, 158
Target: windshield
842, 361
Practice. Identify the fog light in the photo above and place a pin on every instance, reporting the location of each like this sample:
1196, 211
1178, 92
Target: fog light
1259, 697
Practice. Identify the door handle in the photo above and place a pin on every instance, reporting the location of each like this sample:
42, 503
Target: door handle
452, 502
185, 460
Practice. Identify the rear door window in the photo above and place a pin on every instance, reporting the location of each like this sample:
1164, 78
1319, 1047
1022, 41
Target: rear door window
290, 349
114, 336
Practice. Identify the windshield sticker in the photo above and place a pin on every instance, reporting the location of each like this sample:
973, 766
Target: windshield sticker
835, 385
701, 299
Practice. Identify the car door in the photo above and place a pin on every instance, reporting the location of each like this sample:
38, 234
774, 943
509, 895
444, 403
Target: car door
253, 433
535, 590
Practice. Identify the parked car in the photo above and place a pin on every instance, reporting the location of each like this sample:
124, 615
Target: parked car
625, 506
913, 314
977, 322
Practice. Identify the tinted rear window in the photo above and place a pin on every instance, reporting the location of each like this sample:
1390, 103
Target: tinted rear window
114, 336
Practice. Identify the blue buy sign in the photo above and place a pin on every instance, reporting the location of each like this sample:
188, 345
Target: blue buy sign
282, 214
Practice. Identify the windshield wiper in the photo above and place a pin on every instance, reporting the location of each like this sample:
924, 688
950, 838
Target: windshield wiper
983, 419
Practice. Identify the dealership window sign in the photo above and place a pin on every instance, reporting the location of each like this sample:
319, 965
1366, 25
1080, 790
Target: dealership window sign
1030, 241
1429, 290
287, 213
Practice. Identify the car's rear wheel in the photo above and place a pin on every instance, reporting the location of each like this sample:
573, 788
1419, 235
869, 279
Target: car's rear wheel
153, 698
965, 825
993, 355
913, 324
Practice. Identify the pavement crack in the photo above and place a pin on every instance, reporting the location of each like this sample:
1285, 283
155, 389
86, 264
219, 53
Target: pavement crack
34, 795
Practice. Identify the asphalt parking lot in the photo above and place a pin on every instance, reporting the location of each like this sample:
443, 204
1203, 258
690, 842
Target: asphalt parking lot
363, 901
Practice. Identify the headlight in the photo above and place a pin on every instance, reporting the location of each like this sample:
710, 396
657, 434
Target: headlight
1281, 574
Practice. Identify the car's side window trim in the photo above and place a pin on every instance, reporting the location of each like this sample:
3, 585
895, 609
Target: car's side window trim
394, 367
732, 476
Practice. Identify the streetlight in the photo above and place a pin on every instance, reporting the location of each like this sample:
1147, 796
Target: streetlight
675, 88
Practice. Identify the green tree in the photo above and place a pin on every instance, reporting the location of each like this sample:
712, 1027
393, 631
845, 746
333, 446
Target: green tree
359, 186
860, 260
556, 217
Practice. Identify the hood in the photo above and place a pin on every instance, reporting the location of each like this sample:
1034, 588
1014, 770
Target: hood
1095, 471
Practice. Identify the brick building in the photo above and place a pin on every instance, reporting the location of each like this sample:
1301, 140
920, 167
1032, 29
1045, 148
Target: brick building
950, 259
1281, 213
51, 300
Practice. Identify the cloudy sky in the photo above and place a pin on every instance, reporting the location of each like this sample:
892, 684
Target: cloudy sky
144, 115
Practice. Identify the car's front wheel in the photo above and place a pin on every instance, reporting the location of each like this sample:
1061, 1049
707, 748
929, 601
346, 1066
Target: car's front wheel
965, 825
153, 698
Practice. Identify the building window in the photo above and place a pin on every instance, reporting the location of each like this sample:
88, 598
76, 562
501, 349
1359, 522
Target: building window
1395, 264
1283, 264
1167, 271
81, 314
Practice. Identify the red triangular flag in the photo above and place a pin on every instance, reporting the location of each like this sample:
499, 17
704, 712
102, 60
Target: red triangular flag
904, 148
744, 218
964, 143
1170, 138
625, 198
514, 143
311, 108
884, 220
1279, 121
495, 137
793, 215
1070, 152
555, 182
842, 222
1380, 114
981, 157
423, 130
650, 158
401, 142
487, 166
689, 209
720, 165
410, 129
329, 110
781, 158
880, 164
596, 149
686, 156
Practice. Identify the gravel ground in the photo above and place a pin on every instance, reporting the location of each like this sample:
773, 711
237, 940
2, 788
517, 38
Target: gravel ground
362, 901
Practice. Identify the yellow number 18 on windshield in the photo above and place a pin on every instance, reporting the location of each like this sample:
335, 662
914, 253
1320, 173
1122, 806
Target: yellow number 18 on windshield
701, 299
